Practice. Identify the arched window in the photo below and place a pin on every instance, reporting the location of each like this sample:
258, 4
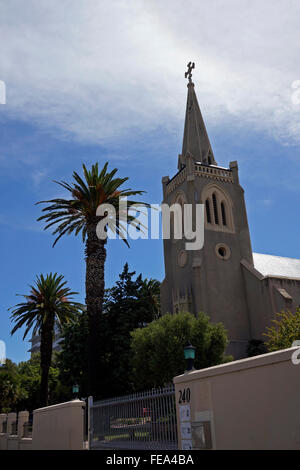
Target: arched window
209, 159
218, 208
208, 214
223, 212
215, 206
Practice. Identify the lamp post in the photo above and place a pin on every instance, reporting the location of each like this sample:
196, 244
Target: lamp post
189, 356
75, 391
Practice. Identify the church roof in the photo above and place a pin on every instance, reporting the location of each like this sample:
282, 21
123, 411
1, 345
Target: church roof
195, 138
270, 265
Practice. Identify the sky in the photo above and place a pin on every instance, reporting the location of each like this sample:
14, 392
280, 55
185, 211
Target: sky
96, 80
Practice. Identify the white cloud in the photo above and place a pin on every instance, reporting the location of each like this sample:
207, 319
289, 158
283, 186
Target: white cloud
99, 70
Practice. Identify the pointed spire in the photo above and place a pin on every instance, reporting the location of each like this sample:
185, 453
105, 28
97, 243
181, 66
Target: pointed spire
195, 138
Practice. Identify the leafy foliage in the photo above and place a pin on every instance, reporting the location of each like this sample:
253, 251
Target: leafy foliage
72, 360
130, 304
20, 385
30, 380
284, 330
133, 302
10, 387
157, 349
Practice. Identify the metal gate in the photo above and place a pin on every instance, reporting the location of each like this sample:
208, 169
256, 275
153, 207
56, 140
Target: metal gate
141, 421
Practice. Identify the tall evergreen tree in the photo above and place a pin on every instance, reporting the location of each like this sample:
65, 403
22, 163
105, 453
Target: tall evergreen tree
126, 306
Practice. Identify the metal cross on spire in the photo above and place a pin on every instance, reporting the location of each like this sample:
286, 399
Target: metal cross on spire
188, 74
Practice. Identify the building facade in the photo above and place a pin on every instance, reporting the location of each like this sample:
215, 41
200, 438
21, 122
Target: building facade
36, 342
224, 279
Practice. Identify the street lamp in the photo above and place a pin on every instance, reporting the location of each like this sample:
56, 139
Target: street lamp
75, 391
189, 356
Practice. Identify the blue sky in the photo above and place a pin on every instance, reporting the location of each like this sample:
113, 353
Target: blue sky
89, 81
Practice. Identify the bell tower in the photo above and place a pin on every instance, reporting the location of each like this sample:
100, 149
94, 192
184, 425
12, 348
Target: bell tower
211, 279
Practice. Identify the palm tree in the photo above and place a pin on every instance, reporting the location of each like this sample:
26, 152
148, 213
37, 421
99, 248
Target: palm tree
79, 214
48, 303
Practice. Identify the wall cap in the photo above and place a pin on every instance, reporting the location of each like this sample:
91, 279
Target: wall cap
236, 366
68, 404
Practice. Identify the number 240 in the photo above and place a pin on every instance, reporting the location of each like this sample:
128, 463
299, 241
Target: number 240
184, 396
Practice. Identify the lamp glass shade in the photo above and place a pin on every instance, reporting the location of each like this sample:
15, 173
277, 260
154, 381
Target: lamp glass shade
75, 388
189, 352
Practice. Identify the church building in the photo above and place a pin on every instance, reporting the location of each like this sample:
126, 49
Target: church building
224, 279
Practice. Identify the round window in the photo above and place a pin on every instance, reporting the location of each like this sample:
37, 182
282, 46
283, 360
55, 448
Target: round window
223, 251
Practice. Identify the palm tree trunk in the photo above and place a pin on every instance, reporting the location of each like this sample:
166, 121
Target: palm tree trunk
95, 252
46, 356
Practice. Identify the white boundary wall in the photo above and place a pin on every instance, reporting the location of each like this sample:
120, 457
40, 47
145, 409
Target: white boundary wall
57, 427
247, 404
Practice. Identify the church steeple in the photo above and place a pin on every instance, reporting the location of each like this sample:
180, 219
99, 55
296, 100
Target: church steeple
195, 138
218, 278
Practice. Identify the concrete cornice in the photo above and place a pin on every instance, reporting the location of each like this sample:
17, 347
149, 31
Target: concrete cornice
67, 404
236, 366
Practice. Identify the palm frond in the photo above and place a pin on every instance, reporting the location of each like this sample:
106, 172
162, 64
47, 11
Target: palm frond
50, 295
97, 187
